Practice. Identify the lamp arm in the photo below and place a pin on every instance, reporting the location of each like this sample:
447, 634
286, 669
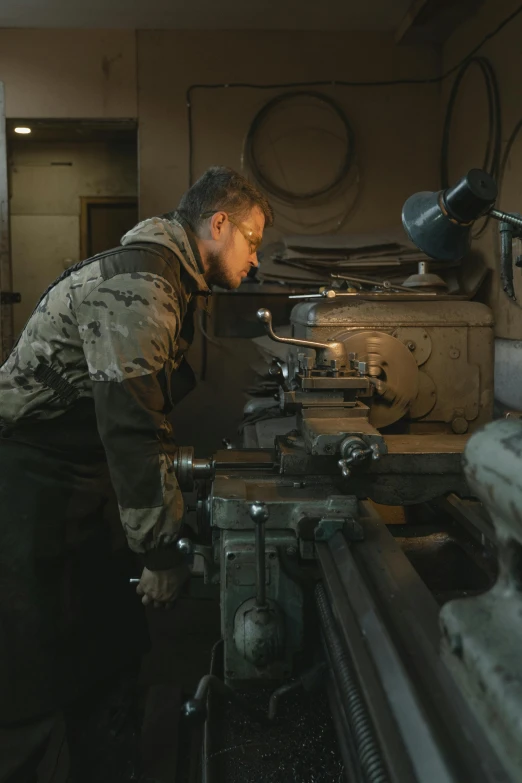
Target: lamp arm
507, 217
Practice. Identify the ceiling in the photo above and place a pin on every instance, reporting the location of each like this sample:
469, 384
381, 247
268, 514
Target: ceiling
384, 15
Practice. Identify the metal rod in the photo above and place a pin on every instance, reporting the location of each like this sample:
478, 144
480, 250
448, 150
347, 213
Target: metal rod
265, 317
363, 732
506, 217
259, 515
387, 285
260, 564
506, 258
331, 294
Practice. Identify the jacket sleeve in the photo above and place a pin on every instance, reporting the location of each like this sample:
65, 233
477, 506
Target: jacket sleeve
129, 326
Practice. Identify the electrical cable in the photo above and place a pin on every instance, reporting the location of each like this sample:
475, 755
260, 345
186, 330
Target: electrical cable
284, 199
491, 162
507, 152
334, 83
285, 194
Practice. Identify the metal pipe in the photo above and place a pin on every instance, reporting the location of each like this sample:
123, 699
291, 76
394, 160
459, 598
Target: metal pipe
368, 751
506, 258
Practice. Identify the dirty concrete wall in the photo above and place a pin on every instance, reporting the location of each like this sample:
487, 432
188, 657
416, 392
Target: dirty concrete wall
47, 181
469, 133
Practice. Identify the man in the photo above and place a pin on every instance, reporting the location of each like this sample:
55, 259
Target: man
84, 400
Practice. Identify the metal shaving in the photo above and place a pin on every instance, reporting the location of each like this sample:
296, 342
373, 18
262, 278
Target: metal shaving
299, 747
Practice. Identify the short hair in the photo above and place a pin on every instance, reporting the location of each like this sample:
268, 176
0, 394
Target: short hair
222, 188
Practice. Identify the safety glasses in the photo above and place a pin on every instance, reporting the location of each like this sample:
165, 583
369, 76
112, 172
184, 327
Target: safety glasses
249, 234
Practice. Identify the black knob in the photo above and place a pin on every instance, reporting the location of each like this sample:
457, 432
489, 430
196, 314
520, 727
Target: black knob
471, 197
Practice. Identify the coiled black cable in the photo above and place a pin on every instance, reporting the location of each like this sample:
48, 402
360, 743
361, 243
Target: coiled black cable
368, 751
491, 162
507, 152
269, 185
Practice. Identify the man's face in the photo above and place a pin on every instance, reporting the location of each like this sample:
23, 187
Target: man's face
232, 250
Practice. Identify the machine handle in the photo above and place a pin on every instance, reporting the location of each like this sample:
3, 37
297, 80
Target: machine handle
354, 451
259, 514
326, 352
265, 316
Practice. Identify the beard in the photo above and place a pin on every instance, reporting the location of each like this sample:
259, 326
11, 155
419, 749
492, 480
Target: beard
217, 272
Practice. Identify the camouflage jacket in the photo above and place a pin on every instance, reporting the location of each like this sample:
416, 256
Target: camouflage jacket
113, 330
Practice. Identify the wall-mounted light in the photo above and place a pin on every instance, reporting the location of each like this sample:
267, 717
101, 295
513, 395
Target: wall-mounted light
22, 130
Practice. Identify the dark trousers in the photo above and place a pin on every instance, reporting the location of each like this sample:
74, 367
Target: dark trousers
35, 752
68, 616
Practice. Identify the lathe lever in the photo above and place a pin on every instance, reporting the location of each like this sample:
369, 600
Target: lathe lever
325, 352
259, 514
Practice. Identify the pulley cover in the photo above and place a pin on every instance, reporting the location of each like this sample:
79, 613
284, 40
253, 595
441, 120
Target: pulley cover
392, 366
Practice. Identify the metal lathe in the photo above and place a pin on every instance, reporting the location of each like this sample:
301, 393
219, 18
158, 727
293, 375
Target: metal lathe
367, 541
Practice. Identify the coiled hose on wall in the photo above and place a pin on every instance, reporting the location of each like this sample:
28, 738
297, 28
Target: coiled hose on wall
368, 751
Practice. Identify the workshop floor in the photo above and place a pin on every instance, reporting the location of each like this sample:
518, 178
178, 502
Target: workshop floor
299, 747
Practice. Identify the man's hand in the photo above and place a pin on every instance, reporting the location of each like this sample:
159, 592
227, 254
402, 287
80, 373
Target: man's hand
161, 588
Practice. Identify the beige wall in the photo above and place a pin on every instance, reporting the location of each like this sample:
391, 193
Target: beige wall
114, 73
396, 127
69, 73
469, 132
45, 207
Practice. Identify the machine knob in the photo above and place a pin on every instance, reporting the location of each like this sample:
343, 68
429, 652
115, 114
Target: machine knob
185, 546
259, 512
264, 315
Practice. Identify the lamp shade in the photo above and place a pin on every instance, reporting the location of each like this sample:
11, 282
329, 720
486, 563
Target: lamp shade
440, 224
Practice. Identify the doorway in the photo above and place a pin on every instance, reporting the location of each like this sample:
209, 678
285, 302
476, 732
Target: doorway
103, 221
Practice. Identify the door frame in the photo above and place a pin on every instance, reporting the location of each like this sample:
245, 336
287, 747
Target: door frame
6, 268
85, 203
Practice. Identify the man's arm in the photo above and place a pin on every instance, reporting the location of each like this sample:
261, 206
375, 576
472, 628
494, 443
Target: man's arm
129, 326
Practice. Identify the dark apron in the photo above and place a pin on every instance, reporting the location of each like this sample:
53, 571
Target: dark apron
68, 616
